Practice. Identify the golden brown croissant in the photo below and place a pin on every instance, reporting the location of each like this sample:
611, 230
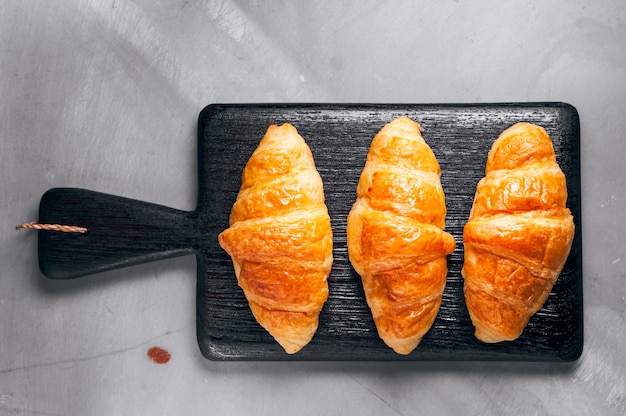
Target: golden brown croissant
395, 237
280, 238
518, 236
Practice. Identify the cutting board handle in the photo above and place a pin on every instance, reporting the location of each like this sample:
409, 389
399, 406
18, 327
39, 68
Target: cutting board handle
120, 232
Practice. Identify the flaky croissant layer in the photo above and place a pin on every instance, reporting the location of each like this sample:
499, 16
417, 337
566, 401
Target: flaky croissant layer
395, 234
280, 239
518, 236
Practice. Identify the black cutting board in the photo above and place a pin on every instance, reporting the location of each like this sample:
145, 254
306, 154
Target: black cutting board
124, 231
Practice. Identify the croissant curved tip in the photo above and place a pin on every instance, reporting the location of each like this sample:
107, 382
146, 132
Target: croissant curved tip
284, 126
520, 144
490, 336
280, 132
403, 346
290, 347
405, 123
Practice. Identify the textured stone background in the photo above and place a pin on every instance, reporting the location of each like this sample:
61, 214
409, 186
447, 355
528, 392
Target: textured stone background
105, 95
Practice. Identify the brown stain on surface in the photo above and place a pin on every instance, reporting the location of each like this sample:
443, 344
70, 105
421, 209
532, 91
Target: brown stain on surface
159, 355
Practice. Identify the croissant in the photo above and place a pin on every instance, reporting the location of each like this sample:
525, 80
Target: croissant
518, 236
280, 239
396, 241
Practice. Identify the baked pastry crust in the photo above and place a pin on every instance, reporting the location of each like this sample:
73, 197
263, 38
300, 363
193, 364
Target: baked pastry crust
518, 236
396, 241
280, 239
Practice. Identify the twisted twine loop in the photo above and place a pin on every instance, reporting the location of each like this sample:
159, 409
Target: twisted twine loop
52, 227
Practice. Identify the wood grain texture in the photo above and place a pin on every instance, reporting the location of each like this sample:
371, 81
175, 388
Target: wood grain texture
339, 136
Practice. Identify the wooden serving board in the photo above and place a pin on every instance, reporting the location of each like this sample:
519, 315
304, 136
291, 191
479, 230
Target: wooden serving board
124, 231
